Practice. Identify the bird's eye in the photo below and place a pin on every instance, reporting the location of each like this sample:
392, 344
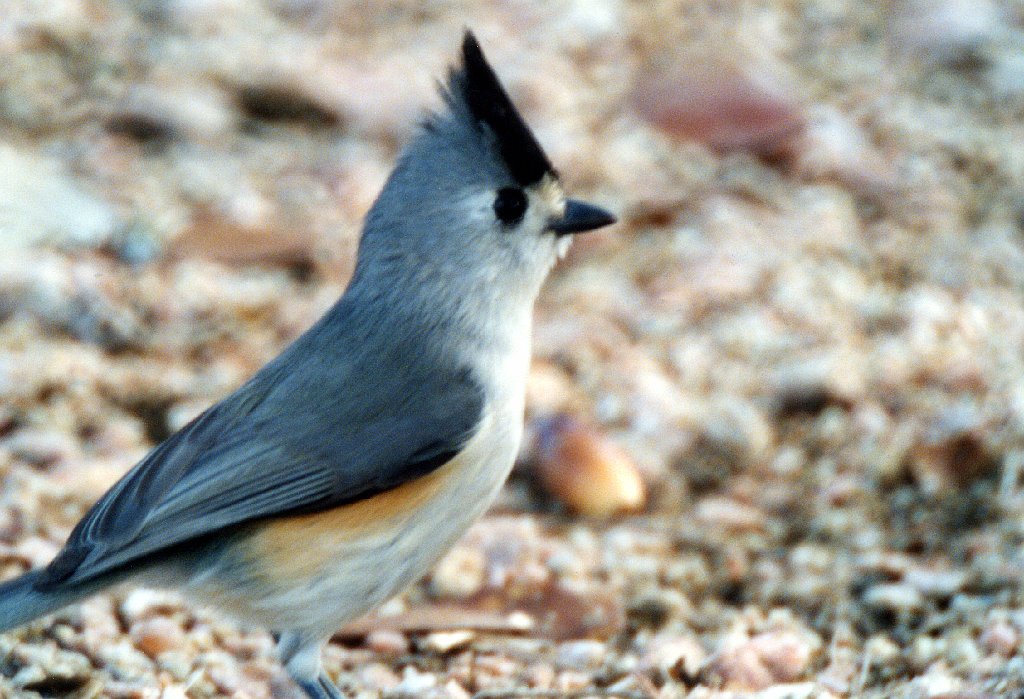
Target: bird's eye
510, 205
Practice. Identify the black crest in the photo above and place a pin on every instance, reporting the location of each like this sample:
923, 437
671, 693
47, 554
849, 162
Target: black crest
488, 103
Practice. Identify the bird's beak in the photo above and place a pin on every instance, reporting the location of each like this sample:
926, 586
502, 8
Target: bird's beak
580, 217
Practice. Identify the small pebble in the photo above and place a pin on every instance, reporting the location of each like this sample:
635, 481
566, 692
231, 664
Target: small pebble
377, 676
41, 447
762, 660
580, 655
936, 583
142, 602
1000, 637
41, 664
414, 681
728, 514
42, 203
673, 657
880, 649
942, 30
36, 551
444, 642
387, 642
177, 663
540, 676
896, 597
460, 574
173, 692
156, 635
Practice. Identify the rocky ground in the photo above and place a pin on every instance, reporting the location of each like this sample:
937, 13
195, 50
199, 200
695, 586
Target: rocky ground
776, 416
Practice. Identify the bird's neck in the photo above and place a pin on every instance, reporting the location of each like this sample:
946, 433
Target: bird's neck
471, 319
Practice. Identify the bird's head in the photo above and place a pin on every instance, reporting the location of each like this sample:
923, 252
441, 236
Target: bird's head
474, 197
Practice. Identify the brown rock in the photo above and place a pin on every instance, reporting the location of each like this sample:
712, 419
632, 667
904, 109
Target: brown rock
587, 472
156, 635
952, 453
721, 99
243, 240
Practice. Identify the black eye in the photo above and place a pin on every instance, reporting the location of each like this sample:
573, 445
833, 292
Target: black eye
510, 205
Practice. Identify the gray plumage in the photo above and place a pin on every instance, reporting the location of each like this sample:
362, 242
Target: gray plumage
294, 439
419, 368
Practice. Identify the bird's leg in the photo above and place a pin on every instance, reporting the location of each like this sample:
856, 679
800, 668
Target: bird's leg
301, 657
320, 688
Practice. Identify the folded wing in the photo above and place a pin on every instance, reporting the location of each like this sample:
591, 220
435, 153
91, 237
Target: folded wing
254, 456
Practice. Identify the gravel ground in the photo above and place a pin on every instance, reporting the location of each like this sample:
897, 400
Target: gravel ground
776, 416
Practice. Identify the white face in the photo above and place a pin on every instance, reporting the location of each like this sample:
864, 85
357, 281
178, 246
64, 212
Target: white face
513, 232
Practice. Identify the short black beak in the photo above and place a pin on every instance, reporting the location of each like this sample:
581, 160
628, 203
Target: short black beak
580, 217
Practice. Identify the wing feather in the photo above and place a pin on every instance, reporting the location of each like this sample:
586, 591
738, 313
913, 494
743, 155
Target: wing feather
253, 457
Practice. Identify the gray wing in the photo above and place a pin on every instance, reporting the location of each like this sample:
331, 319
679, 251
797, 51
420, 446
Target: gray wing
272, 452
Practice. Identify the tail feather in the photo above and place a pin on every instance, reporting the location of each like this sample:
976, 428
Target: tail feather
21, 602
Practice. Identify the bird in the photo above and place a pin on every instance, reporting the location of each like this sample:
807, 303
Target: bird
342, 470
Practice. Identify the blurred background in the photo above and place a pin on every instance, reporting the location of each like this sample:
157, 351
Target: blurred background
775, 418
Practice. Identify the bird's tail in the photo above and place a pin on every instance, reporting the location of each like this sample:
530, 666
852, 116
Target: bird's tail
21, 602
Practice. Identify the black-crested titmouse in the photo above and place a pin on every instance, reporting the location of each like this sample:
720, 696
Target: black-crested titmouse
347, 465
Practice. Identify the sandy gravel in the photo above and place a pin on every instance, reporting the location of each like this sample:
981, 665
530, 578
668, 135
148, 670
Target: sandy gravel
793, 376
